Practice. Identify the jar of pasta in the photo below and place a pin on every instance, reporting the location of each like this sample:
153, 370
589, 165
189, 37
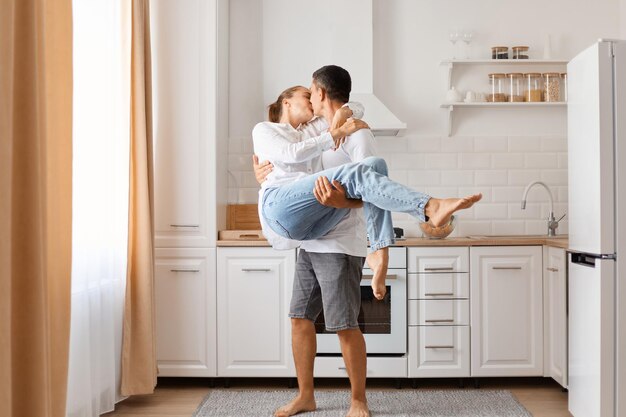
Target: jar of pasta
564, 86
520, 52
534, 87
551, 86
516, 86
500, 52
497, 93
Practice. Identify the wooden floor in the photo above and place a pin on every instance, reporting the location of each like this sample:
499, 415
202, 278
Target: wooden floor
180, 397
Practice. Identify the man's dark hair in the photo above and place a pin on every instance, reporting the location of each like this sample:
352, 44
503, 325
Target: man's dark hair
335, 81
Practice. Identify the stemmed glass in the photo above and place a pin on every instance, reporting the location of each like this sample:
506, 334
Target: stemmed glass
454, 36
467, 38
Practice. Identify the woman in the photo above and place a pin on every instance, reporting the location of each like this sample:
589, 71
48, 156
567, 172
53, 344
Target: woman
287, 205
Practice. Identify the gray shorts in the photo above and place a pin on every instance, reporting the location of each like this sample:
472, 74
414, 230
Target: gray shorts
328, 281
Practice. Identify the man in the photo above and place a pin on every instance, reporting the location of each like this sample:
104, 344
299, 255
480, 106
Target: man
329, 269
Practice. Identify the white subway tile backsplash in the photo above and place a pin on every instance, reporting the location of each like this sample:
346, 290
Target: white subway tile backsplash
490, 211
457, 144
491, 144
440, 161
406, 161
554, 176
523, 177
507, 160
424, 178
458, 177
541, 160
491, 177
424, 144
507, 227
554, 144
500, 167
474, 160
524, 144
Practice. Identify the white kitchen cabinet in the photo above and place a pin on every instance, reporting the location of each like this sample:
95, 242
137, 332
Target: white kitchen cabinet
439, 312
187, 85
185, 306
506, 311
254, 288
555, 311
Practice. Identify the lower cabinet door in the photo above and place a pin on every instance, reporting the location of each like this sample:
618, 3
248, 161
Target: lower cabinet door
185, 312
254, 288
439, 351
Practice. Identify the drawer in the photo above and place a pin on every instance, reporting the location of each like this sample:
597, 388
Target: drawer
397, 258
439, 351
438, 260
377, 367
442, 285
438, 312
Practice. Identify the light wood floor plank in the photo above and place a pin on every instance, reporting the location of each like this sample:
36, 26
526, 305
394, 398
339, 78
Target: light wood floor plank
179, 397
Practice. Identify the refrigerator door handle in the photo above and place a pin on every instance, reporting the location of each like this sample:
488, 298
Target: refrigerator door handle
584, 259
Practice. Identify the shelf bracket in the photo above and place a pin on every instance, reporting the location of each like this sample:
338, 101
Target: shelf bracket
450, 67
450, 110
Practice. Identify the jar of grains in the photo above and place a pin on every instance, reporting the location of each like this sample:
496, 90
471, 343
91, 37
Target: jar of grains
516, 86
534, 88
564, 86
552, 86
520, 52
500, 52
497, 94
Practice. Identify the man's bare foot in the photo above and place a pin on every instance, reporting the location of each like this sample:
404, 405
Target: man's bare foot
439, 210
358, 409
297, 405
378, 262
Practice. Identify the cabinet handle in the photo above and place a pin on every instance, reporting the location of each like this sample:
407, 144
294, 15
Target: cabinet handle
343, 368
432, 294
184, 225
256, 269
185, 270
553, 269
393, 276
439, 321
439, 268
439, 347
506, 267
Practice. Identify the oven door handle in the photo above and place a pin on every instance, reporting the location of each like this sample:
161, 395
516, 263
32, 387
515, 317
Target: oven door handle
392, 276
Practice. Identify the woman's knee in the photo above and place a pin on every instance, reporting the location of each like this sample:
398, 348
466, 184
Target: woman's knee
377, 164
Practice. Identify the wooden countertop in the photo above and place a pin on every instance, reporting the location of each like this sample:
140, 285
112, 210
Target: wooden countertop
477, 240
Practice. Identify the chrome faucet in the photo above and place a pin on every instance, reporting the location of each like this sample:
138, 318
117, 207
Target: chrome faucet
552, 223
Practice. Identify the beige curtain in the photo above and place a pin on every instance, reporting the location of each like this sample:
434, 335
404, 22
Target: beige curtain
35, 205
138, 350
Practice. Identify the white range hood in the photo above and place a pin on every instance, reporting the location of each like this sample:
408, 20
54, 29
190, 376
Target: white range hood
352, 34
298, 37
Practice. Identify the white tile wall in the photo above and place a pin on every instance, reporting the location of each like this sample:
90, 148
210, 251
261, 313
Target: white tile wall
499, 167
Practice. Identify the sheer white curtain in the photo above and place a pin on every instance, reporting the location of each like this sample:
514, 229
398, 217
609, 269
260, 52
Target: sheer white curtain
100, 205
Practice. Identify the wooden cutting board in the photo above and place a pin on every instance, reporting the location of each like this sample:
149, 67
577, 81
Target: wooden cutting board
243, 217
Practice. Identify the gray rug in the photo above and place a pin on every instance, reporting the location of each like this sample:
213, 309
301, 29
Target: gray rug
334, 403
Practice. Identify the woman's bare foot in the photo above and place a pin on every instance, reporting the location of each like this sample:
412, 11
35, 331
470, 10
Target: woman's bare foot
358, 409
297, 405
378, 262
439, 210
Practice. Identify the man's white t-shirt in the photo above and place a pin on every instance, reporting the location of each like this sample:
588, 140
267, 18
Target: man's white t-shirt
350, 235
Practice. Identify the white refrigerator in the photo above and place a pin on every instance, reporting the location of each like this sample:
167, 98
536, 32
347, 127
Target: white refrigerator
597, 230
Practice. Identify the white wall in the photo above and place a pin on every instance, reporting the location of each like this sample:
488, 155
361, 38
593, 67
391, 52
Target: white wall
278, 43
622, 19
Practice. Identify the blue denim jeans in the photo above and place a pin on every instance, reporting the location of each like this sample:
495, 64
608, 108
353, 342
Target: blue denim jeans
292, 211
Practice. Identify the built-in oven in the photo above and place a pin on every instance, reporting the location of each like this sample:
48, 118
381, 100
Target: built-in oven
383, 322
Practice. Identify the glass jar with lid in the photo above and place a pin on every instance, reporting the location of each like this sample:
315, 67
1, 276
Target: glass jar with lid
516, 86
500, 52
551, 86
520, 52
534, 87
564, 86
497, 93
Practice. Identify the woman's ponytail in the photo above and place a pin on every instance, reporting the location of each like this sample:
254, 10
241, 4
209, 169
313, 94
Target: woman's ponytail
275, 110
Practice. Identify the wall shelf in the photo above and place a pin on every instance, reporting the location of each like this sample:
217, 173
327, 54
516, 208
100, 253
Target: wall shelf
450, 64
